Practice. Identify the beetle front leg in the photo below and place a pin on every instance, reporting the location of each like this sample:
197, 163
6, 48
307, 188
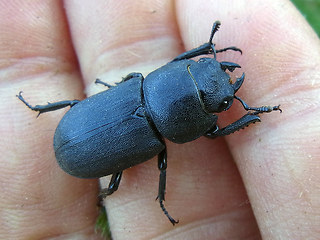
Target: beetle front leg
207, 48
126, 78
49, 107
243, 122
162, 165
204, 49
113, 185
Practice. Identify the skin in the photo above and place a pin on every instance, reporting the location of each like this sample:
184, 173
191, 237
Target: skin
259, 183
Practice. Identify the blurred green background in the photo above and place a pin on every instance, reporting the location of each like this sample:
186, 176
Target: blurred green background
310, 9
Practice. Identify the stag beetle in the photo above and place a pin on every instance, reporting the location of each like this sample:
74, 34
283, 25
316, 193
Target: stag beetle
127, 124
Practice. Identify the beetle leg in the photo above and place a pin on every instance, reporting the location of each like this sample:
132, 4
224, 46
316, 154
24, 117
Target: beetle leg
258, 110
113, 185
132, 75
207, 48
204, 49
98, 81
49, 107
243, 122
162, 165
126, 78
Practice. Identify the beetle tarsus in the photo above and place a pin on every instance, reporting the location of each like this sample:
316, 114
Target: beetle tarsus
162, 165
49, 107
171, 219
214, 29
98, 81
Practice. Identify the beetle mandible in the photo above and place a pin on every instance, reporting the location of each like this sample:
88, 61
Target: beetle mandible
127, 124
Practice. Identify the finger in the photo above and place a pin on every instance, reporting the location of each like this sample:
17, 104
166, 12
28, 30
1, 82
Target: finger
125, 38
119, 40
37, 58
110, 51
277, 158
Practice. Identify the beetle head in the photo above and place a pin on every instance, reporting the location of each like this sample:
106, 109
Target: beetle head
216, 90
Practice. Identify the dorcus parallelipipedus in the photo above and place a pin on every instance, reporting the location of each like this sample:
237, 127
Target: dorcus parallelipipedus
127, 124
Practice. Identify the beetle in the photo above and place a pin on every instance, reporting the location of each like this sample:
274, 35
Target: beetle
127, 124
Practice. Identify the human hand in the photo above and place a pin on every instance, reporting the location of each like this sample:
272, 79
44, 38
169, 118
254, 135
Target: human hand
261, 182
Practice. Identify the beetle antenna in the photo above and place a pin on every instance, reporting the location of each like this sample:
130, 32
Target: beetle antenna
258, 110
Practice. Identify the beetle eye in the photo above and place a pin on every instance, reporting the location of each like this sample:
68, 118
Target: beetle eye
223, 106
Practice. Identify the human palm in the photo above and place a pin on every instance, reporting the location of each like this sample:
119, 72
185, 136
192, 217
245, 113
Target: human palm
259, 183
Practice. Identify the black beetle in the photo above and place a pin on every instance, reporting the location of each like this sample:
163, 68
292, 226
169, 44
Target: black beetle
126, 125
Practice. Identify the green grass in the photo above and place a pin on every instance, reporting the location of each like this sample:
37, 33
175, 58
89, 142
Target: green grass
102, 225
310, 9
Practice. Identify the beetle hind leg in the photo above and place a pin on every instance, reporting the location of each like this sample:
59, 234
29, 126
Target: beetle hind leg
162, 165
113, 186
